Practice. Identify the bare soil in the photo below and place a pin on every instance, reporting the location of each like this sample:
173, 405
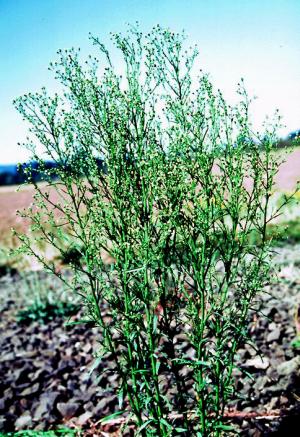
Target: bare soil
45, 377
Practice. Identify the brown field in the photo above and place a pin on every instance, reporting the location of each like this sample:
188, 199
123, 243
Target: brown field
12, 200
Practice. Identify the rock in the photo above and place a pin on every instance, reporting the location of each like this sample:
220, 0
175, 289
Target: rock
72, 384
249, 350
84, 418
261, 382
272, 404
30, 390
270, 311
16, 341
283, 400
276, 388
10, 356
289, 367
24, 421
258, 363
2, 422
24, 403
289, 353
41, 410
46, 404
8, 393
87, 348
26, 354
68, 409
2, 404
69, 351
274, 335
241, 354
279, 353
272, 373
105, 405
87, 394
272, 326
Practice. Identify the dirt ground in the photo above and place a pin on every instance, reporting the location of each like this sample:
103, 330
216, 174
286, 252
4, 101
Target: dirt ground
45, 378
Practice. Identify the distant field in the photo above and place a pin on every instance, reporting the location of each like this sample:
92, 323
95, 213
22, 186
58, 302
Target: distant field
10, 200
289, 172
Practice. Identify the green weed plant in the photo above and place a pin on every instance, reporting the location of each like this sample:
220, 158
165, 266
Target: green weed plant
42, 300
186, 184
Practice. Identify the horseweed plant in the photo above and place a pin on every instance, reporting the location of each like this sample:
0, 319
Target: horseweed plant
164, 226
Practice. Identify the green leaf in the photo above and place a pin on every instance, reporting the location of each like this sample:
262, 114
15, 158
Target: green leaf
191, 362
111, 416
296, 343
155, 318
95, 364
225, 427
164, 422
145, 424
121, 397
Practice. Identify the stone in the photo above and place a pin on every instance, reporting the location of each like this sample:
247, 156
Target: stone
68, 409
2, 422
31, 390
274, 335
84, 418
283, 400
10, 356
105, 405
289, 367
241, 354
24, 421
275, 388
272, 326
69, 351
41, 410
258, 363
272, 373
8, 393
46, 404
261, 382
2, 404
87, 348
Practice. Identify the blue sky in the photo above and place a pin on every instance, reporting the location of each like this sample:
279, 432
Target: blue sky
258, 40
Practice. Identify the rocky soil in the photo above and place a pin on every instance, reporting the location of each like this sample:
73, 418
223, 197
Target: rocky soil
46, 378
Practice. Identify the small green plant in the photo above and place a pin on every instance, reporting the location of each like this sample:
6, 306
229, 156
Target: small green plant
46, 312
296, 343
41, 300
186, 184
284, 232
